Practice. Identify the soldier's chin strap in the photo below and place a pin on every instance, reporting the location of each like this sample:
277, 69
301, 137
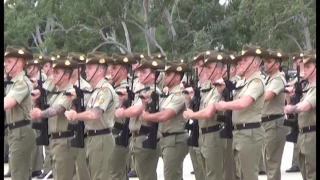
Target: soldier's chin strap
171, 79
94, 73
28, 74
271, 66
311, 73
212, 71
64, 72
116, 74
8, 74
249, 65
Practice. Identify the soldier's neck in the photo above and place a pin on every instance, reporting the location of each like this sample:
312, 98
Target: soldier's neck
119, 80
312, 79
172, 86
14, 74
273, 72
73, 79
250, 72
62, 85
95, 80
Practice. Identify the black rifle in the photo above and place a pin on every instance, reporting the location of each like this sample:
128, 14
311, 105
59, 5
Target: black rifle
152, 107
194, 105
6, 82
226, 131
124, 135
292, 119
43, 138
78, 140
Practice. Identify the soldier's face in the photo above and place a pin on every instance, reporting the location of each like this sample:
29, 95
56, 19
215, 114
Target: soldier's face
309, 70
58, 76
10, 63
168, 77
270, 65
113, 71
243, 64
210, 68
32, 70
46, 67
145, 76
296, 62
197, 65
91, 70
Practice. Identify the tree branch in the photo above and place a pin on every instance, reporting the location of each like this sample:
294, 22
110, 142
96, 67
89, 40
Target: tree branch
294, 40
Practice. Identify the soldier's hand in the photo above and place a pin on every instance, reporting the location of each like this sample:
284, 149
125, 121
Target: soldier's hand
35, 94
165, 90
71, 115
187, 114
146, 97
36, 114
287, 109
34, 82
122, 94
144, 115
71, 94
220, 85
119, 113
221, 106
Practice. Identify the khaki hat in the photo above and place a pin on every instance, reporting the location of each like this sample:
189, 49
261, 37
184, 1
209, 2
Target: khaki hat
155, 64
179, 67
98, 58
64, 63
124, 60
297, 55
277, 54
200, 56
252, 50
214, 56
157, 56
18, 52
58, 55
138, 56
309, 57
77, 57
230, 57
37, 60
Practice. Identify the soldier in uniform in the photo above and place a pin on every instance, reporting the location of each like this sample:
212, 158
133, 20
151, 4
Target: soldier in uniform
173, 141
306, 110
118, 71
62, 156
297, 59
211, 146
248, 135
145, 160
98, 117
81, 169
273, 115
17, 104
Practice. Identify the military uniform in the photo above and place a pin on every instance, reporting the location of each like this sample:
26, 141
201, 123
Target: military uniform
21, 137
248, 135
307, 129
272, 121
100, 143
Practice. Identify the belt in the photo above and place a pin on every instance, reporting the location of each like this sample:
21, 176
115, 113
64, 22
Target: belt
271, 117
210, 129
18, 124
166, 134
98, 132
307, 129
118, 126
247, 126
63, 134
138, 133
115, 131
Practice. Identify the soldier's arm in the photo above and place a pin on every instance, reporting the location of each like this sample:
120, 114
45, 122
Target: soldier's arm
307, 104
276, 86
133, 111
161, 116
89, 115
53, 111
205, 113
17, 94
9, 103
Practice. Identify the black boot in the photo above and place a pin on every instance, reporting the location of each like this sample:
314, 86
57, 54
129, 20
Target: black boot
262, 173
293, 169
132, 173
8, 174
36, 173
44, 175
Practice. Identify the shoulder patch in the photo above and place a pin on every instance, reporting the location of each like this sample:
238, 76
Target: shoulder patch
256, 80
177, 94
19, 81
100, 101
105, 89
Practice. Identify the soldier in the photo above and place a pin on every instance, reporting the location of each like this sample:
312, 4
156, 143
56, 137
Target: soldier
173, 141
248, 135
210, 144
306, 110
273, 115
119, 71
62, 156
17, 104
98, 117
297, 59
81, 169
145, 160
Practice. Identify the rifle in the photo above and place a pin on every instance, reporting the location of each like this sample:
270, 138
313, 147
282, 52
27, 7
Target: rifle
292, 119
124, 135
194, 105
152, 107
226, 131
6, 82
78, 140
43, 138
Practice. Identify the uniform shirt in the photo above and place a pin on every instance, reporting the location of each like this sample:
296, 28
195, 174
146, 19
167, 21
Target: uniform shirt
121, 85
135, 122
308, 118
254, 88
276, 84
48, 85
84, 85
175, 102
103, 97
59, 123
210, 97
20, 91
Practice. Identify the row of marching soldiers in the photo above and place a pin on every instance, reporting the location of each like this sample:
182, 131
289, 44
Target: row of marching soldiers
221, 111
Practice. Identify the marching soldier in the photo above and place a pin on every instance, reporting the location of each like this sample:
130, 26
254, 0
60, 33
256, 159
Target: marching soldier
81, 169
98, 117
17, 104
273, 115
173, 141
248, 135
119, 71
145, 160
210, 144
62, 156
306, 110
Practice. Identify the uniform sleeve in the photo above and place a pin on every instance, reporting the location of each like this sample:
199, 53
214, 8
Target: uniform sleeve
19, 91
214, 98
311, 97
63, 100
48, 85
276, 86
176, 104
103, 99
255, 89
